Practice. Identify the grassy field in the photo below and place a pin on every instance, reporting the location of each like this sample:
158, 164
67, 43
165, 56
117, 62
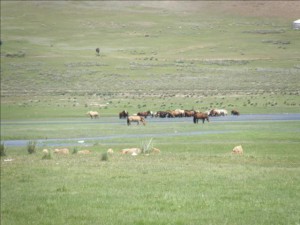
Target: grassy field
154, 56
194, 180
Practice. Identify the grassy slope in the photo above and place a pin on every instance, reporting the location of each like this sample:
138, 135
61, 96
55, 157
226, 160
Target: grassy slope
146, 51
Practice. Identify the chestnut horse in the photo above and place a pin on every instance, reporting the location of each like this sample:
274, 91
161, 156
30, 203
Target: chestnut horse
200, 116
137, 119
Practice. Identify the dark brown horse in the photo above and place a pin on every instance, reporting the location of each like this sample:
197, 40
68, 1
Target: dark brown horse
161, 114
200, 116
235, 113
123, 114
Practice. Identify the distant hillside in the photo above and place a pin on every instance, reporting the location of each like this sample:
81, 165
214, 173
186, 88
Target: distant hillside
282, 9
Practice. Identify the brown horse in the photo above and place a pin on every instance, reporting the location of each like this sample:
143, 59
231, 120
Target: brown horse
137, 119
200, 116
144, 114
123, 114
174, 113
214, 112
189, 113
235, 113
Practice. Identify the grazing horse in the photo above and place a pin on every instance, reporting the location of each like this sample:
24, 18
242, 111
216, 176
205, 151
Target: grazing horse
123, 114
93, 114
201, 116
235, 113
144, 114
137, 119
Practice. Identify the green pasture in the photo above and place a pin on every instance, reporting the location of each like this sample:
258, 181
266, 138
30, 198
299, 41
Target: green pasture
193, 180
152, 57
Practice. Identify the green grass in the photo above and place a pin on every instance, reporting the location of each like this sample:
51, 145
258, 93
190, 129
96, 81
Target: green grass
194, 180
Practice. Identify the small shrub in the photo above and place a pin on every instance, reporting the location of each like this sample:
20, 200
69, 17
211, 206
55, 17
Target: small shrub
2, 150
31, 147
75, 150
147, 146
62, 189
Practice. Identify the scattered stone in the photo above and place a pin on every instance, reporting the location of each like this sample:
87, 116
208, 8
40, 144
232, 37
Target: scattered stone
237, 150
62, 151
84, 152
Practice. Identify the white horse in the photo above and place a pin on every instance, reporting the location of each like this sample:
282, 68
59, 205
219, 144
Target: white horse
137, 119
223, 112
93, 114
218, 112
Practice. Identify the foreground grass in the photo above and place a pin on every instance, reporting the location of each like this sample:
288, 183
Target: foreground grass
194, 180
171, 188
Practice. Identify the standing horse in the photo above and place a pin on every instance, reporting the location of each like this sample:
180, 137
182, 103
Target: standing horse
93, 114
201, 116
123, 114
137, 119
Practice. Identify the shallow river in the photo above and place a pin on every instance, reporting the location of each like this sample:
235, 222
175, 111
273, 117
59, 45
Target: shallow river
78, 141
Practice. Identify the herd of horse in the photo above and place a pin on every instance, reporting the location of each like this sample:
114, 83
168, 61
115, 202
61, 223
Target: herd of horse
141, 116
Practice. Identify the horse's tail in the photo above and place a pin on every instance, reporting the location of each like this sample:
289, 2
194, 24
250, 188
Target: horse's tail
195, 120
128, 121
